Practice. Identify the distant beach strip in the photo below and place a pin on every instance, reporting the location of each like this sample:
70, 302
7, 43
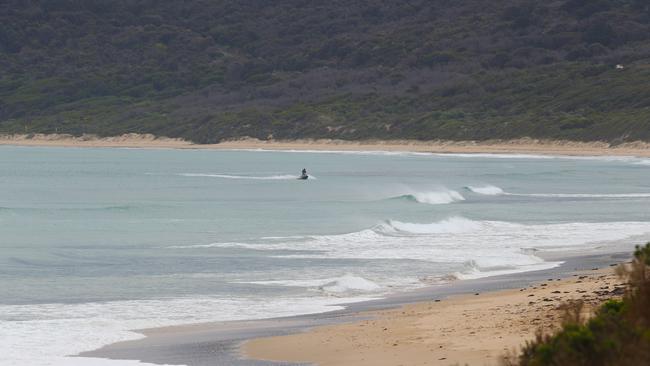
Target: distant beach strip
526, 146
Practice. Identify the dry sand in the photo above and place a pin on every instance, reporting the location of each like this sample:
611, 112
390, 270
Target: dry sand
472, 329
519, 146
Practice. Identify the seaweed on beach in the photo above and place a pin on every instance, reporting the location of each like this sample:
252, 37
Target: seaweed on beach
617, 334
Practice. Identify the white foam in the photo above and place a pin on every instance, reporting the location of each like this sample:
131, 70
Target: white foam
454, 240
494, 191
583, 195
484, 248
448, 226
348, 283
45, 334
230, 176
437, 197
211, 245
473, 270
490, 244
487, 190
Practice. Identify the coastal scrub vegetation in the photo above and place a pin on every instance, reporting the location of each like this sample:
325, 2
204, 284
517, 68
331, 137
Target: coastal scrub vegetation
618, 334
417, 69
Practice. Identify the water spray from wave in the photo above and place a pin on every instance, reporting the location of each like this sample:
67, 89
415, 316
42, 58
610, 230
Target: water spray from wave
230, 176
487, 190
433, 197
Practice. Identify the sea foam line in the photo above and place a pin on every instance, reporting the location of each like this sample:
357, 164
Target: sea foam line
337, 285
490, 190
47, 334
487, 190
231, 176
453, 240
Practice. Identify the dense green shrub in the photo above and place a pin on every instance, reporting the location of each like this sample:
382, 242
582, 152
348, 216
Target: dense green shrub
618, 334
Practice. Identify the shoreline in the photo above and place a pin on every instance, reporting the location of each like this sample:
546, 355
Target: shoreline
221, 343
516, 146
469, 329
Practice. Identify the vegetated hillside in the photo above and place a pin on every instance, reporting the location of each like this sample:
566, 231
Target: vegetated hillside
421, 69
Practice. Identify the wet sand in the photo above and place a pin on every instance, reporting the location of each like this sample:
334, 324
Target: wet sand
518, 146
473, 329
417, 330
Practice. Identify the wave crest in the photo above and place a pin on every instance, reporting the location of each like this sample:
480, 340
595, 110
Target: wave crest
490, 190
350, 283
496, 247
584, 195
338, 285
449, 226
487, 190
472, 270
433, 197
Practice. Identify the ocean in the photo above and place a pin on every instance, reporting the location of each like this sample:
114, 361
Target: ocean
96, 243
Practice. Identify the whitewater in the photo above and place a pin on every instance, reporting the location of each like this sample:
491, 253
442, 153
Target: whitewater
98, 243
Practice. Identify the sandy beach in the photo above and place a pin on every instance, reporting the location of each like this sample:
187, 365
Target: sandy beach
410, 328
474, 329
518, 146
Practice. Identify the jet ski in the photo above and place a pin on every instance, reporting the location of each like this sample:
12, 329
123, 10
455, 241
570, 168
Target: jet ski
303, 177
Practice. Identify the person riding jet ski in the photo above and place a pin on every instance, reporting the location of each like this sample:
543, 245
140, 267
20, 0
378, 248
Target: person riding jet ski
304, 175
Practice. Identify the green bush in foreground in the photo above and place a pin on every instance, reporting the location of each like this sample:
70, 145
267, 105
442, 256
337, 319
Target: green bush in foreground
618, 334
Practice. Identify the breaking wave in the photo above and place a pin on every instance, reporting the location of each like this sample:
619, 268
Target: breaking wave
350, 283
490, 190
491, 244
448, 226
433, 197
584, 195
460, 247
472, 270
487, 190
338, 285
27, 329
